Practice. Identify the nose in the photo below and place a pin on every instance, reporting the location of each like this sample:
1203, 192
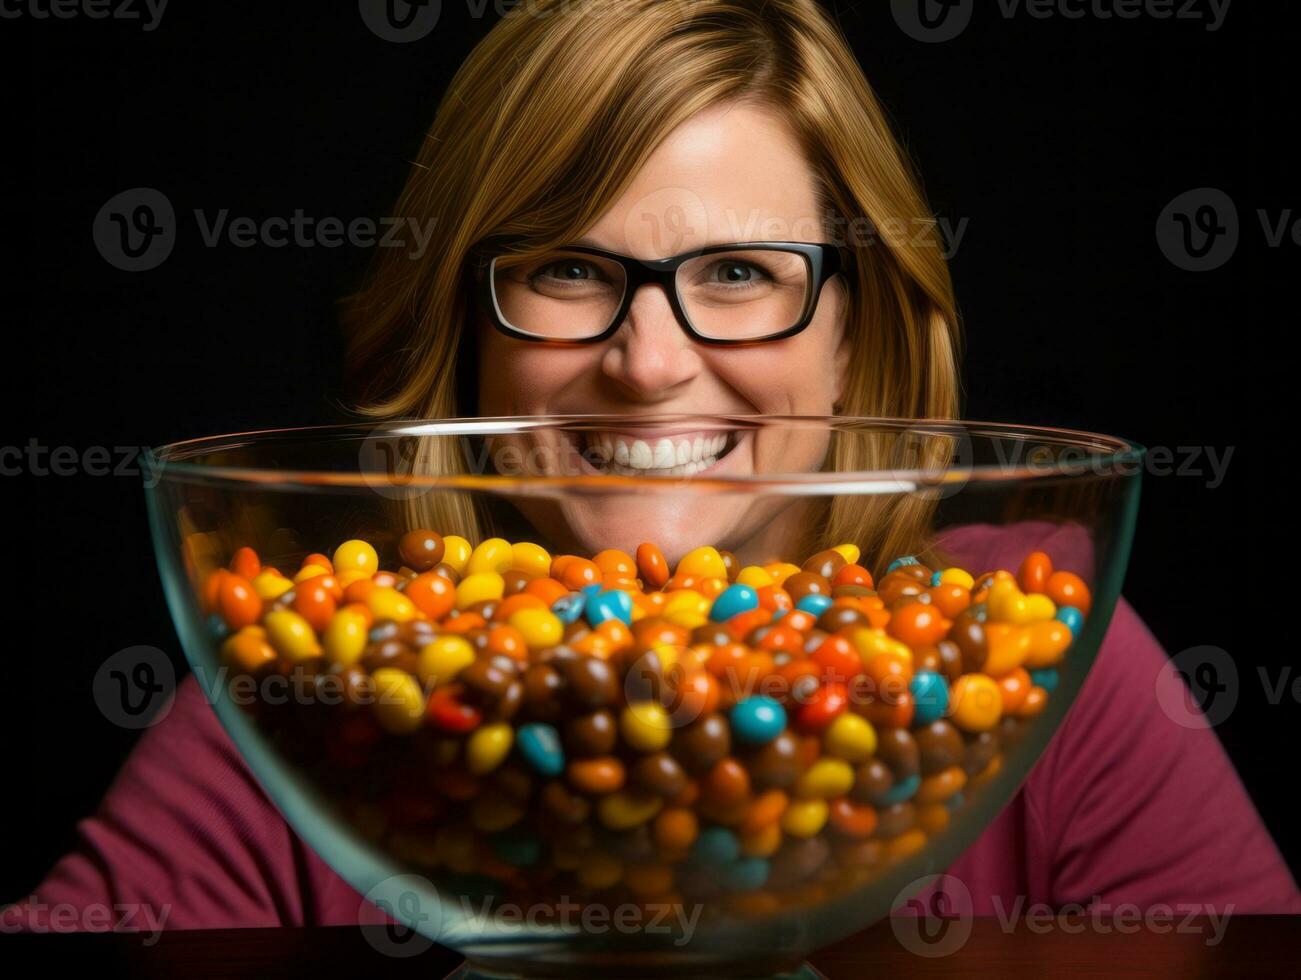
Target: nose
651, 356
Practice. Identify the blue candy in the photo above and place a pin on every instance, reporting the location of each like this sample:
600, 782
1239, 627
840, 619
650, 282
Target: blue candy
935, 579
745, 874
1045, 677
814, 603
903, 790
592, 589
757, 720
778, 614
930, 696
603, 606
569, 607
217, 626
900, 562
733, 600
539, 744
716, 846
1072, 617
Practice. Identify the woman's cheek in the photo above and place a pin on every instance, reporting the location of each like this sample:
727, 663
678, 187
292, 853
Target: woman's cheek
781, 378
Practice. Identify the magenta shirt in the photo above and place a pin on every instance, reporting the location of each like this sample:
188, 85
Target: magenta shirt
1125, 806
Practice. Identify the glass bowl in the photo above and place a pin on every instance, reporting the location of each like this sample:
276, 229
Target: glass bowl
659, 693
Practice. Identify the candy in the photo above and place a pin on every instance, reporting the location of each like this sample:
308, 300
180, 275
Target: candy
774, 733
757, 720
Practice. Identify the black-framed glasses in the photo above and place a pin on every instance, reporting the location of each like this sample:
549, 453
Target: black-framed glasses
737, 293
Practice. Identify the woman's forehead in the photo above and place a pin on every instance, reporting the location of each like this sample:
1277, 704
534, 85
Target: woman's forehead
730, 173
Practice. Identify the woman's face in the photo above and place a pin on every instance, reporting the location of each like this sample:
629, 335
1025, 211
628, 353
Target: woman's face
731, 173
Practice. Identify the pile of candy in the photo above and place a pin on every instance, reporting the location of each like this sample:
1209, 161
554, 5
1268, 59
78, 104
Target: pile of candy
519, 724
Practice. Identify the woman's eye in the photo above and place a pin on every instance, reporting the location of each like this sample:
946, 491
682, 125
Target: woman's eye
567, 271
736, 273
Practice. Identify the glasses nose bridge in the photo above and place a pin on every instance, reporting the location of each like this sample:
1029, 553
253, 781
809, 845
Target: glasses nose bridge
653, 272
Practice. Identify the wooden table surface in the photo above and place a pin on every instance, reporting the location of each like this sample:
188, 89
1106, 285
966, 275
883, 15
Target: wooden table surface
1243, 946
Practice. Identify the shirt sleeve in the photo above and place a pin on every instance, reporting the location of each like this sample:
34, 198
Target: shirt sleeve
185, 838
1140, 804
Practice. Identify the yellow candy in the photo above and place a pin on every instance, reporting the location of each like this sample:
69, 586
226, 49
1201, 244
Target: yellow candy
851, 737
781, 571
269, 586
957, 576
687, 607
492, 555
1048, 642
388, 603
825, 780
248, 649
399, 702
1039, 607
646, 726
1007, 647
443, 657
976, 703
849, 552
456, 552
483, 587
541, 627
804, 818
703, 562
762, 842
532, 558
623, 810
345, 637
291, 635
356, 556
597, 869
310, 571
753, 576
347, 578
871, 643
488, 747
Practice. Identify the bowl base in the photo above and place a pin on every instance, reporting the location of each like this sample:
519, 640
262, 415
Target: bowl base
805, 971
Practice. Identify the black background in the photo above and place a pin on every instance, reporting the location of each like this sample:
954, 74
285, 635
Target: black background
1058, 141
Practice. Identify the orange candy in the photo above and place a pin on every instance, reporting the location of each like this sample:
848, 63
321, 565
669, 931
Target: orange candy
238, 604
1014, 687
1068, 589
315, 602
578, 573
429, 592
918, 624
245, 563
546, 589
652, 567
1033, 574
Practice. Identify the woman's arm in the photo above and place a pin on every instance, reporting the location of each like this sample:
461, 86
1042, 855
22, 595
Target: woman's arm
186, 838
1131, 806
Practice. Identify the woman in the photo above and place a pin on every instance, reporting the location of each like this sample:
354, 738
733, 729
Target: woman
649, 129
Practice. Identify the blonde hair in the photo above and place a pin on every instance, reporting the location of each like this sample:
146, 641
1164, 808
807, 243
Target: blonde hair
553, 114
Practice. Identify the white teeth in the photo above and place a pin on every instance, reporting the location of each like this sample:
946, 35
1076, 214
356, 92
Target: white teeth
664, 456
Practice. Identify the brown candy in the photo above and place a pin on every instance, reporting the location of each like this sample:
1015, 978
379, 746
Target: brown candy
896, 819
702, 744
778, 764
872, 781
837, 618
802, 584
980, 752
941, 747
421, 549
825, 564
968, 633
660, 774
389, 653
591, 734
727, 784
567, 806
589, 681
898, 749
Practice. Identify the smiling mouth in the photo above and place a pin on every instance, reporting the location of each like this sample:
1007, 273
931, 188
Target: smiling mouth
685, 454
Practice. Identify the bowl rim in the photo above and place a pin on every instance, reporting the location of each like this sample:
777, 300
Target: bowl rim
1099, 456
